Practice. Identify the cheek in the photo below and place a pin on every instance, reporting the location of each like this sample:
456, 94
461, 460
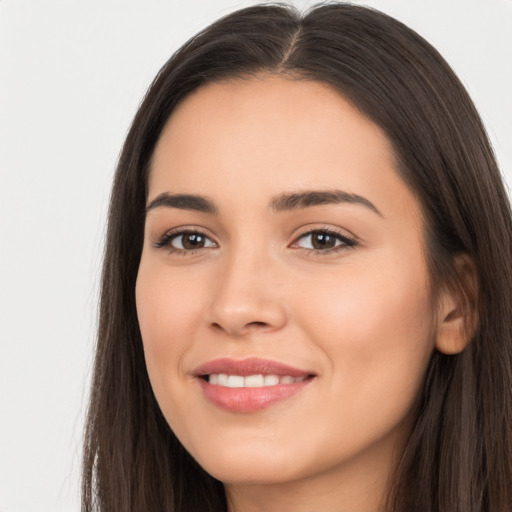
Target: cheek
373, 312
167, 310
375, 327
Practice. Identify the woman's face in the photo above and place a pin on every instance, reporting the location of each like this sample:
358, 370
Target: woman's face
283, 294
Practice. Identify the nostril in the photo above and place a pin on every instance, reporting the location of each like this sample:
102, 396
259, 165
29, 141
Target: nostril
258, 324
239, 330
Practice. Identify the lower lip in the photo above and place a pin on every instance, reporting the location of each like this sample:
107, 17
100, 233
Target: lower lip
250, 399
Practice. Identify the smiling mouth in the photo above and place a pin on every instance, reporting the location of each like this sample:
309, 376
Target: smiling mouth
250, 385
252, 381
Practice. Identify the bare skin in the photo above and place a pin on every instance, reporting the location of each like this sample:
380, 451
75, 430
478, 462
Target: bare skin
338, 290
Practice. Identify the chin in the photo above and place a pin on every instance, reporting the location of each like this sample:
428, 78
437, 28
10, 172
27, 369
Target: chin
245, 472
242, 467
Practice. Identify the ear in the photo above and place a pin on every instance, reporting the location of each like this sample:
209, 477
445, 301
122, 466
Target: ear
458, 308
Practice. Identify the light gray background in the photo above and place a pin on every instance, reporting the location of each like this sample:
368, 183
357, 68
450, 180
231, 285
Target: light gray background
71, 76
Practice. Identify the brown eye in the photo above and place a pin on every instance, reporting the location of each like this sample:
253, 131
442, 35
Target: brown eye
324, 241
192, 241
188, 241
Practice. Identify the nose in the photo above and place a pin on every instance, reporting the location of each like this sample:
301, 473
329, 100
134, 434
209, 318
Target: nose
248, 296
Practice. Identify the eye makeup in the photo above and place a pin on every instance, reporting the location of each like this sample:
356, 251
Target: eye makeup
186, 241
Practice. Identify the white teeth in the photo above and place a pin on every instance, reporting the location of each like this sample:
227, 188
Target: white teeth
251, 381
222, 379
235, 381
271, 380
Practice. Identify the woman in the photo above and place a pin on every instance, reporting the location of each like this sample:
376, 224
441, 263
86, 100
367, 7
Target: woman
306, 289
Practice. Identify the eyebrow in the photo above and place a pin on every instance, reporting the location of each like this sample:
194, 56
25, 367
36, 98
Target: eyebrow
306, 199
183, 202
280, 203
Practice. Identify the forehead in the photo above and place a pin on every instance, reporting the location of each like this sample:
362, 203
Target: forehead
253, 138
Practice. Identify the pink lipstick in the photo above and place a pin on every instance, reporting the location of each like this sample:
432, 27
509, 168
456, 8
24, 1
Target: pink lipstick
249, 385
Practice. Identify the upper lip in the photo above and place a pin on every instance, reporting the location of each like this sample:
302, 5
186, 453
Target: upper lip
250, 366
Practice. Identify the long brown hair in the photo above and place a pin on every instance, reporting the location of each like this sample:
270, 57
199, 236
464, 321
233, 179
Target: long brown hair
459, 455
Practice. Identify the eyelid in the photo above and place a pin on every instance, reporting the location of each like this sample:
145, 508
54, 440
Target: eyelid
349, 240
164, 240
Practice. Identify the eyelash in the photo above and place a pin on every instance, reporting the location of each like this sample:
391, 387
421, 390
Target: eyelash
346, 241
165, 241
